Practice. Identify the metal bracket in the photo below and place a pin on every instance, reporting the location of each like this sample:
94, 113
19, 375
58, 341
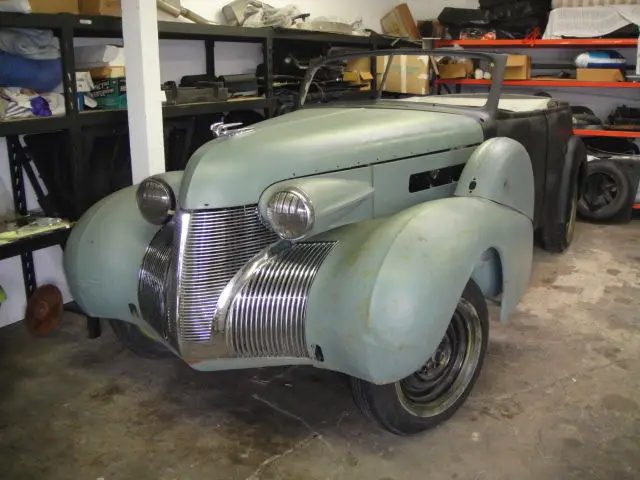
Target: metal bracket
221, 129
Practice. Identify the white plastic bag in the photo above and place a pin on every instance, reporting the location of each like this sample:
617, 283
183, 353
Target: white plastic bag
20, 6
6, 202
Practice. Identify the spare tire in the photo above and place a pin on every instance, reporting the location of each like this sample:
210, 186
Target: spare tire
606, 193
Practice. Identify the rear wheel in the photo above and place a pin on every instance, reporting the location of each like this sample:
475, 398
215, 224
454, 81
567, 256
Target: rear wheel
138, 341
558, 237
434, 393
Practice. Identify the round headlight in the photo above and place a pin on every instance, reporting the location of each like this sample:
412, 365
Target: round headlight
156, 200
290, 214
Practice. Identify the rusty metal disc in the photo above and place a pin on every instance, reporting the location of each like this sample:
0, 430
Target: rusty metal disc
44, 310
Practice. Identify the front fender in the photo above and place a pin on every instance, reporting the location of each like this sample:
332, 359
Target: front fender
383, 299
104, 252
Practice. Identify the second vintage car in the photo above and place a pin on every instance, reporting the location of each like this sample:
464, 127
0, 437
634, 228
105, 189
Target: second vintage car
361, 237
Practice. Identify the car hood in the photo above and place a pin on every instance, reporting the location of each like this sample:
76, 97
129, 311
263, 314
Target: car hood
235, 170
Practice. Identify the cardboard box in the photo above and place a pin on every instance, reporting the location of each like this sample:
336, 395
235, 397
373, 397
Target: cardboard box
100, 73
54, 6
456, 70
408, 73
110, 93
101, 7
359, 72
400, 22
599, 75
518, 67
358, 78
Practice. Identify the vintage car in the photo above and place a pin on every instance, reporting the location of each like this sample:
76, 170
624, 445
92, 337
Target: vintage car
361, 237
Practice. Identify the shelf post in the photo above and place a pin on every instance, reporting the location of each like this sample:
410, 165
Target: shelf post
267, 55
210, 56
20, 202
140, 34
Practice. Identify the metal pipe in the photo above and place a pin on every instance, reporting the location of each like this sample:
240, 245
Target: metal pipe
182, 12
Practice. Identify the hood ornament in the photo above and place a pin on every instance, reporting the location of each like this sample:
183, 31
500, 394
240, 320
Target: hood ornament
221, 129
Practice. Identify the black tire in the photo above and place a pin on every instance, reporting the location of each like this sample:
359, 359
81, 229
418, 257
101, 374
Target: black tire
607, 192
137, 341
558, 237
396, 407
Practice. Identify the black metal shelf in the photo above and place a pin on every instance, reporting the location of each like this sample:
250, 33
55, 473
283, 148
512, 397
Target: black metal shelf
111, 27
34, 242
24, 126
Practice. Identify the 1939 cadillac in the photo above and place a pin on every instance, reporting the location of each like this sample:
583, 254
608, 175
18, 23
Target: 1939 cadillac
362, 237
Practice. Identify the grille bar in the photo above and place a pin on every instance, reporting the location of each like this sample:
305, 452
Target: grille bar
152, 279
267, 316
212, 246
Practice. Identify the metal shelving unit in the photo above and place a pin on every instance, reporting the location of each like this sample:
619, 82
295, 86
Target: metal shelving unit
67, 27
556, 43
540, 83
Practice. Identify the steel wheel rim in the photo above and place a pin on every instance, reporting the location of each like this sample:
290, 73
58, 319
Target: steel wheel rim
444, 378
602, 190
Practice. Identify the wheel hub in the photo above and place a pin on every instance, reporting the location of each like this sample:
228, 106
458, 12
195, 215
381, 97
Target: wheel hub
439, 361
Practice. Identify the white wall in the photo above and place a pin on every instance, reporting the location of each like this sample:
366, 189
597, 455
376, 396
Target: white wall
428, 10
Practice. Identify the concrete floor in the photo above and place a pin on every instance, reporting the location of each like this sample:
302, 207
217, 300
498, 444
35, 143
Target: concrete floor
559, 398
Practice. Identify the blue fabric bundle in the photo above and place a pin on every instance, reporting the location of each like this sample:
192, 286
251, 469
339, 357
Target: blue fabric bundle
601, 59
38, 75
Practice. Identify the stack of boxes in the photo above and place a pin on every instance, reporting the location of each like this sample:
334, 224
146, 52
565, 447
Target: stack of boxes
86, 7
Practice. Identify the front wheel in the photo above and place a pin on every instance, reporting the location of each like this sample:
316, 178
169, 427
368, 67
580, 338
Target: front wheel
434, 393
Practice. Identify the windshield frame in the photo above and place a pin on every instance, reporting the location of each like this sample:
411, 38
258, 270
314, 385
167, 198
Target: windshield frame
499, 62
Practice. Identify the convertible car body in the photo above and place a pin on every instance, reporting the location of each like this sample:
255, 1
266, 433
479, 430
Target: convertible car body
360, 237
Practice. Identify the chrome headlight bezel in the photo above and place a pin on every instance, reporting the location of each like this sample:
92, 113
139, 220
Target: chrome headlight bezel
156, 200
290, 213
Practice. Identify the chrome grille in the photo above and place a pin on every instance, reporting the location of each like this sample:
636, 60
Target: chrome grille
152, 279
212, 246
267, 316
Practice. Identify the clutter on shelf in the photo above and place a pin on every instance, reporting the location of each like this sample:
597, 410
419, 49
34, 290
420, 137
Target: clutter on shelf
497, 20
253, 13
29, 226
617, 21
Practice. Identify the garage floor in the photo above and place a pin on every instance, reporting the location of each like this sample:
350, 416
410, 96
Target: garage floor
559, 398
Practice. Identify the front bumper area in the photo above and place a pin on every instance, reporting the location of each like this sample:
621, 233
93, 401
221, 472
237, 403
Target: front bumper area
216, 284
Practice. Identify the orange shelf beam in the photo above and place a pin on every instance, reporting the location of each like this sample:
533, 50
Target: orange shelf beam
567, 42
607, 133
540, 83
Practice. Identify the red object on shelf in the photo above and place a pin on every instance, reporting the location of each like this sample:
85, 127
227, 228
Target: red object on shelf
607, 133
636, 206
540, 83
565, 42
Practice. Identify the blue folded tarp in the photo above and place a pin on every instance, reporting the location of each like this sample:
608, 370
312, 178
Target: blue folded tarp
38, 75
